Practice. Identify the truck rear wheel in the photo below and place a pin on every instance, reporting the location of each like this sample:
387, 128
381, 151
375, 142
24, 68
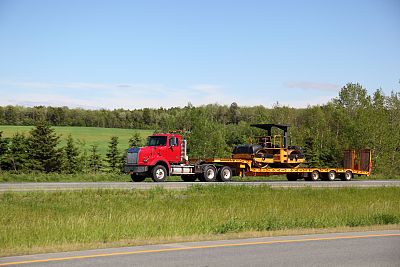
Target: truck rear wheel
159, 173
209, 174
137, 178
225, 174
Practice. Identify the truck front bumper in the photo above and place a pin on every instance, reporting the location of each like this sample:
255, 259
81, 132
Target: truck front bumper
136, 169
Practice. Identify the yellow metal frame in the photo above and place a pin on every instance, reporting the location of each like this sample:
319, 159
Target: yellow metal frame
244, 166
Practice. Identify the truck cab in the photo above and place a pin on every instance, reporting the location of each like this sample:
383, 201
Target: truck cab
161, 150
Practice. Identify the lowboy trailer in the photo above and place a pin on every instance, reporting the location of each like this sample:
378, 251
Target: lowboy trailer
354, 164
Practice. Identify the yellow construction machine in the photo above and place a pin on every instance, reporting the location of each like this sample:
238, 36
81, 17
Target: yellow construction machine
271, 150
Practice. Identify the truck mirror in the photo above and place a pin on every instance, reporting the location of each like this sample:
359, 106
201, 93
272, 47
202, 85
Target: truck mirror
173, 141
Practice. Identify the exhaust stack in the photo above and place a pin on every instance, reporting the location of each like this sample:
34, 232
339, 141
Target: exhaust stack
184, 156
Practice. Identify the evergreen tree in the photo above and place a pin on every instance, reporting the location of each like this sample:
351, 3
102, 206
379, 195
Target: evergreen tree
3, 151
71, 152
43, 149
113, 155
18, 152
95, 162
83, 161
83, 157
136, 140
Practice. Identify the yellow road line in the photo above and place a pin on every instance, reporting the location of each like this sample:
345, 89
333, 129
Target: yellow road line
197, 247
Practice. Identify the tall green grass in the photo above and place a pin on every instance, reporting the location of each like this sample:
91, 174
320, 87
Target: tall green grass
85, 136
66, 220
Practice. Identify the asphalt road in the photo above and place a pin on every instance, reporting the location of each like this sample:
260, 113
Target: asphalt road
182, 185
380, 248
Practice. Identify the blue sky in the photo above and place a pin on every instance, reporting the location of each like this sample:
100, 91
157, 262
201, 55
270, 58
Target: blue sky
135, 54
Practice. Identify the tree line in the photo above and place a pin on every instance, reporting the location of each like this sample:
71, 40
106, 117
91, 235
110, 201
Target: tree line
40, 152
354, 119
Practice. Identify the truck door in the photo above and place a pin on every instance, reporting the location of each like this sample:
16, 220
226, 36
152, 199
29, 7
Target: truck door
173, 152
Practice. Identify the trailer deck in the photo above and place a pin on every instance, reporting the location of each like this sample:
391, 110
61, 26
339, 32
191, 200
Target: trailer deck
360, 164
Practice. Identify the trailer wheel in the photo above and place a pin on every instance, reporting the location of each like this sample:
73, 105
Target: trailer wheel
188, 178
225, 174
347, 176
331, 176
159, 173
314, 176
292, 176
137, 178
209, 174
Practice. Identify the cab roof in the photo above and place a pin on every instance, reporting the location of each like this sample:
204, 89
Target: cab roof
164, 134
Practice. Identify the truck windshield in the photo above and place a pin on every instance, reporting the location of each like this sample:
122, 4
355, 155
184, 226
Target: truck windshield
157, 141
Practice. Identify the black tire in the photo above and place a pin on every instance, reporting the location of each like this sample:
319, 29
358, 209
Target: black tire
188, 178
347, 176
209, 174
159, 173
225, 174
137, 178
331, 176
292, 176
314, 176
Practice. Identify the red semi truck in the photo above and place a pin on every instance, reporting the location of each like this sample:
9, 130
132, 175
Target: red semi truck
165, 154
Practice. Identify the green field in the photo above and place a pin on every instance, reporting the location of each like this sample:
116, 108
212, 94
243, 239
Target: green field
33, 222
85, 136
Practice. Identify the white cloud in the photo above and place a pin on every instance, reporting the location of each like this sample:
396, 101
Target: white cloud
133, 96
107, 95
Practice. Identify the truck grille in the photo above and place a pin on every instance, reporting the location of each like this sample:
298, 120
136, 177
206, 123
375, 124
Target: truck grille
132, 156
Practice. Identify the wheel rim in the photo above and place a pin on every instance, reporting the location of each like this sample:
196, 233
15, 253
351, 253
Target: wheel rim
314, 176
160, 173
226, 174
331, 176
210, 173
347, 175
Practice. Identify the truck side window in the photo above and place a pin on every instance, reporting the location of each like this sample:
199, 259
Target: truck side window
173, 141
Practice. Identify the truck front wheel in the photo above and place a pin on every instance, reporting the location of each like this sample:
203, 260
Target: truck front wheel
159, 173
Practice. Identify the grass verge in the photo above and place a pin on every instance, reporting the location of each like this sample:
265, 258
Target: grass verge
12, 177
33, 222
